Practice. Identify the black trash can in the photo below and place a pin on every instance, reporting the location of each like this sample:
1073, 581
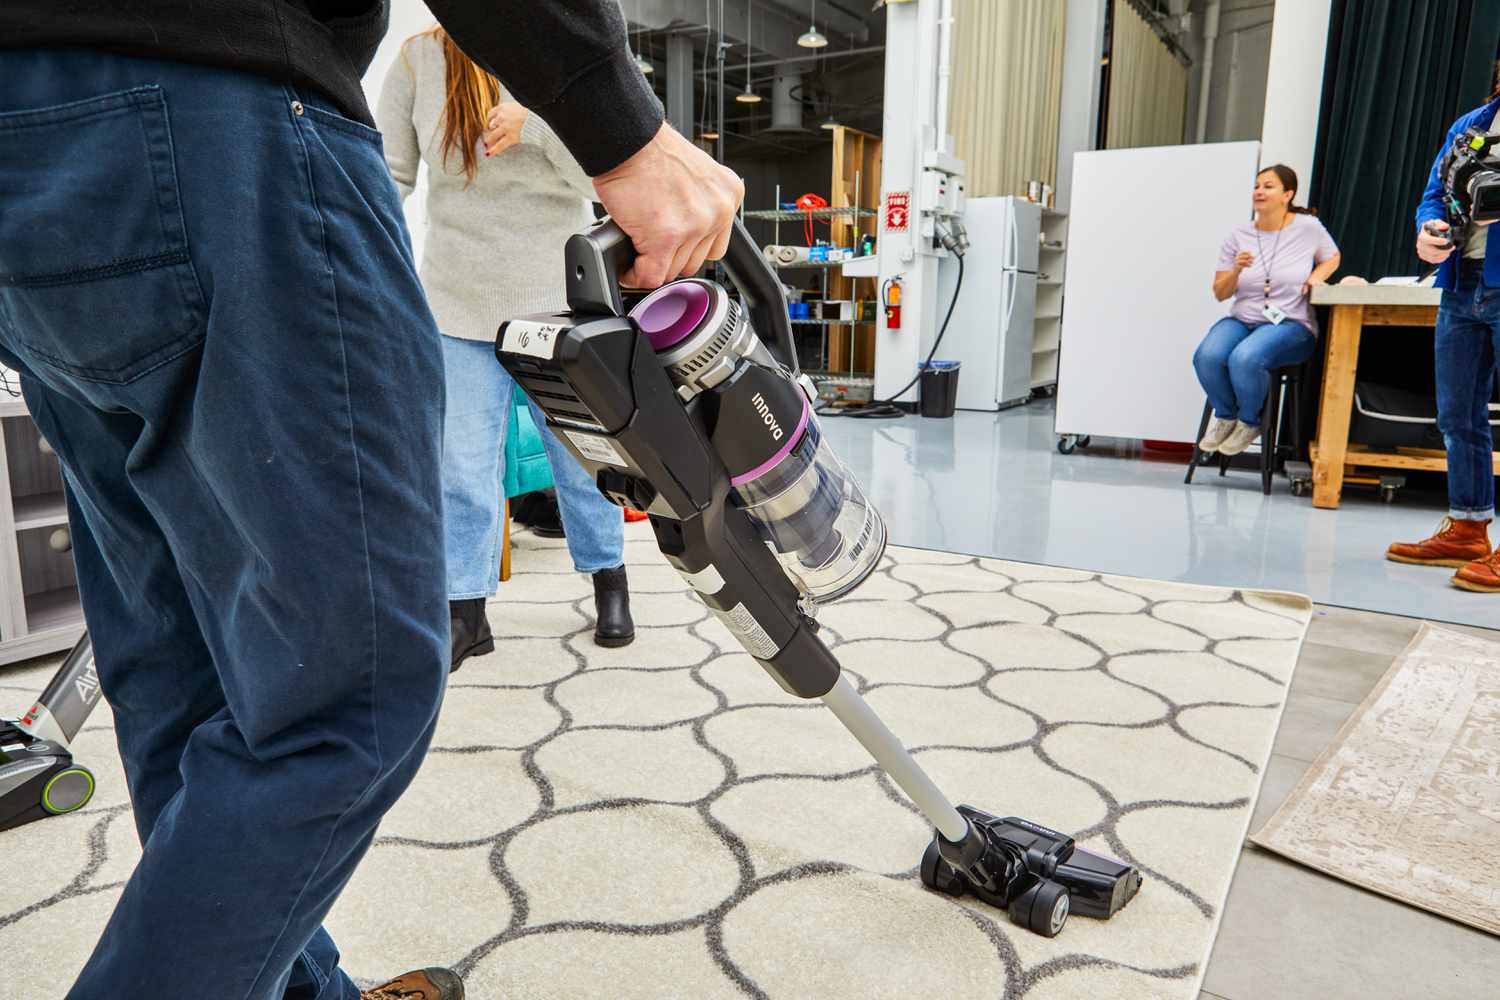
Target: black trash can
939, 388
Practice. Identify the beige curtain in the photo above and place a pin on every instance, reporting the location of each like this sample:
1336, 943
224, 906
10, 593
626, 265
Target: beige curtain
1147, 86
1005, 93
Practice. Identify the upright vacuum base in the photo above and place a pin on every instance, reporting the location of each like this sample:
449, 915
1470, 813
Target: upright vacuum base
1035, 874
38, 778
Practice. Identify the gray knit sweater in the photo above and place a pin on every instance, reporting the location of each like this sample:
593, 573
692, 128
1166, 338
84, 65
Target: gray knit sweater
494, 247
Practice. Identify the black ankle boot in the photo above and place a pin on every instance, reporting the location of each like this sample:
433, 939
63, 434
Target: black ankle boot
612, 608
471, 630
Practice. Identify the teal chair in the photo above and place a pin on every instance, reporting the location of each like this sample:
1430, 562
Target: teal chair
526, 467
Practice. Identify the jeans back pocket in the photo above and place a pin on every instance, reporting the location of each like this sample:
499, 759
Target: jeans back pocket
95, 276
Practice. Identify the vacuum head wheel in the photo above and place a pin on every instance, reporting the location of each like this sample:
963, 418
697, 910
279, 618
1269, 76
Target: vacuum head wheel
67, 790
1042, 909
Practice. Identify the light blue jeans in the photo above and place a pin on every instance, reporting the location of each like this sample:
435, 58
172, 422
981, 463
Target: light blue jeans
479, 402
1235, 361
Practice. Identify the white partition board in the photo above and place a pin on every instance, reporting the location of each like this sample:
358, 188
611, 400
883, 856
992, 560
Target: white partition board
1143, 243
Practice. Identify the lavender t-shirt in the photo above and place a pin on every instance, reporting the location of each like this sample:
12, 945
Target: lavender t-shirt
1288, 257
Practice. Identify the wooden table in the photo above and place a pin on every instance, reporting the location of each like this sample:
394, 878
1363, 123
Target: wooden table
1354, 308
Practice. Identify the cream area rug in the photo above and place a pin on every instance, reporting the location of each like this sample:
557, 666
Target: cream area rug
1406, 801
662, 821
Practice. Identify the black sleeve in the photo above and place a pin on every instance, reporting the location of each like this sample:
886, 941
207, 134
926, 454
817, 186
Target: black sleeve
568, 61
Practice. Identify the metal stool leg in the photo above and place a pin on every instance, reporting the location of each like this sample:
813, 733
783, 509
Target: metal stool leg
1270, 424
1208, 409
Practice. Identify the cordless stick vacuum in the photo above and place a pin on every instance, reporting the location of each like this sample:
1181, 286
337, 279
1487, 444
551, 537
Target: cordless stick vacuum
681, 409
37, 775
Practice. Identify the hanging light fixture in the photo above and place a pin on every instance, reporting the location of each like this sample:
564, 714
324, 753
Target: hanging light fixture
812, 38
749, 96
829, 123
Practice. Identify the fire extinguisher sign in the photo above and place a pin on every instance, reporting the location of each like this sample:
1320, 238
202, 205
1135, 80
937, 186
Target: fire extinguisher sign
897, 211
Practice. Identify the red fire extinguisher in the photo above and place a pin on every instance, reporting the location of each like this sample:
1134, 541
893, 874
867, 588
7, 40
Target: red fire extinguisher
890, 295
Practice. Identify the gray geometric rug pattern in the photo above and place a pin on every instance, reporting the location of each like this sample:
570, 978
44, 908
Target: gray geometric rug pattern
664, 821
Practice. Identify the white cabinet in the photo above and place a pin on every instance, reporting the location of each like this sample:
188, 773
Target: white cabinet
39, 613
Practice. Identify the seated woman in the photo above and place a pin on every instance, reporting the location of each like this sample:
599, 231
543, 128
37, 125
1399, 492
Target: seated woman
1269, 268
503, 197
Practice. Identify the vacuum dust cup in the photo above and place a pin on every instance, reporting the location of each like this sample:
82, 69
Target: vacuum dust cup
816, 519
802, 500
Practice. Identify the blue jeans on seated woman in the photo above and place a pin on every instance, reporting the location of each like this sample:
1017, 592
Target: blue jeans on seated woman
479, 404
1235, 361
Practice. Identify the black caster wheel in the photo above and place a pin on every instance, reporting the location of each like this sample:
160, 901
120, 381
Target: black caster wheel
1085, 441
1042, 909
1388, 494
1067, 445
936, 875
1299, 488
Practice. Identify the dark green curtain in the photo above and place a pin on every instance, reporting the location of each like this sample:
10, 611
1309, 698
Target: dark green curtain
1398, 73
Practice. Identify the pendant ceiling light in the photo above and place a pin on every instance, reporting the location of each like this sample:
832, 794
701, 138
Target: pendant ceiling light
749, 96
829, 123
812, 38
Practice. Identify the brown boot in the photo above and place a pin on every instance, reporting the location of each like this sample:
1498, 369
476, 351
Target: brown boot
427, 984
1481, 576
1456, 543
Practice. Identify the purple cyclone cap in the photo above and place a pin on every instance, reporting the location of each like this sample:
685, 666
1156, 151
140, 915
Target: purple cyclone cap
671, 313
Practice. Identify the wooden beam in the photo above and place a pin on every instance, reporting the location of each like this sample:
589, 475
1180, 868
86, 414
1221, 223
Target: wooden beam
1337, 402
1400, 315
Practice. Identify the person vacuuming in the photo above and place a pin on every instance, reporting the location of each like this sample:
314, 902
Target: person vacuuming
683, 410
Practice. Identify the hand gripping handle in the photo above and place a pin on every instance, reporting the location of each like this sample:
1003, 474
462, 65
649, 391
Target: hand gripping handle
598, 256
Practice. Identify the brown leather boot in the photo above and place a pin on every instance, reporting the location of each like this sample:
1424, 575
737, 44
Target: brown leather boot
1457, 543
1481, 576
426, 984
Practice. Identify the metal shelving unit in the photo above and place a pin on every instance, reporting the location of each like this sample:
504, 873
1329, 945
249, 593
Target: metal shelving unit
1047, 332
818, 214
852, 213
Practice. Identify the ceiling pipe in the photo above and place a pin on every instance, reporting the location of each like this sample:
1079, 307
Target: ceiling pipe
1205, 86
786, 103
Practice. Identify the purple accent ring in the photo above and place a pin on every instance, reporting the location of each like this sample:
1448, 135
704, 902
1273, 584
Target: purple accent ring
673, 312
774, 460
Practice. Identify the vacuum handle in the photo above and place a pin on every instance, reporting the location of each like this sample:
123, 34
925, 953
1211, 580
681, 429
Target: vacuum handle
765, 298
598, 256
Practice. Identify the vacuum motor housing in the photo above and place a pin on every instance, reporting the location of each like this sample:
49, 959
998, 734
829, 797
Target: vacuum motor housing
682, 411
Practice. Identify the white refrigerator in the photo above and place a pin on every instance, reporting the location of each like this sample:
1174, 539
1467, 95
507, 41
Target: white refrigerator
994, 319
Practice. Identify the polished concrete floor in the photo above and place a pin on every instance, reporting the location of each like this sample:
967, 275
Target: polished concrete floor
995, 485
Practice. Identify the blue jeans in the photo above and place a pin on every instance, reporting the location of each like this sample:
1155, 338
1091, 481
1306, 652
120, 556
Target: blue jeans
1465, 347
1235, 361
208, 291
479, 404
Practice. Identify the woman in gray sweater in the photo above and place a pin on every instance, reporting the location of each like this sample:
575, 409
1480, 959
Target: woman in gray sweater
503, 196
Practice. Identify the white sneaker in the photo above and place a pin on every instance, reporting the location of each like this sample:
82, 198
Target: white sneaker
1242, 437
1218, 432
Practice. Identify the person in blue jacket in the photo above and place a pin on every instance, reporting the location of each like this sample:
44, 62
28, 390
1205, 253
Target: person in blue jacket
1465, 348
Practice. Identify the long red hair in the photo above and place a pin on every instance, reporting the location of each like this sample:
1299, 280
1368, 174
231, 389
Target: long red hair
469, 93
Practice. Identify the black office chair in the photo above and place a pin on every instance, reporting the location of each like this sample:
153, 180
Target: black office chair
1272, 448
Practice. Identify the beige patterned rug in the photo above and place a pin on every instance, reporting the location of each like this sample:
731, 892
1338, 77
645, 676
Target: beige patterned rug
1406, 801
663, 821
